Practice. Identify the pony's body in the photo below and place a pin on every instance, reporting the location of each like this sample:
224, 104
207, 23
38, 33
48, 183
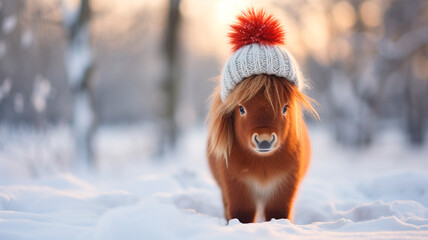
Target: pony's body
249, 183
252, 181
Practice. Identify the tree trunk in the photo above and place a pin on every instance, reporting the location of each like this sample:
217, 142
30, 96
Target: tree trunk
79, 66
172, 76
415, 90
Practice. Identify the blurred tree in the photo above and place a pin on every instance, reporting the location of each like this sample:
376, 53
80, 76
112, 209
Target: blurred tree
369, 60
79, 67
372, 65
172, 76
24, 65
354, 90
403, 52
11, 55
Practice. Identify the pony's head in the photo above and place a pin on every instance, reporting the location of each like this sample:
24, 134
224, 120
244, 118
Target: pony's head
260, 115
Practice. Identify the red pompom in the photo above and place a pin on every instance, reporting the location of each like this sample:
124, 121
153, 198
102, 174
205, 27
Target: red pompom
256, 27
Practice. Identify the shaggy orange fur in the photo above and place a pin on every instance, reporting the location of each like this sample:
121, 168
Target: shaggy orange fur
250, 179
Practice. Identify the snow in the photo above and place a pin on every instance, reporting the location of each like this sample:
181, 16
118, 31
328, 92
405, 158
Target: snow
78, 57
5, 88
41, 92
18, 102
27, 38
83, 119
84, 116
3, 49
378, 193
9, 24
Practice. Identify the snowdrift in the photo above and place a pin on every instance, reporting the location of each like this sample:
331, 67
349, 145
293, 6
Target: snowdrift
379, 193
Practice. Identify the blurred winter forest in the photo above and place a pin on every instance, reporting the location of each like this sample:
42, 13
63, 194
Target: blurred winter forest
81, 65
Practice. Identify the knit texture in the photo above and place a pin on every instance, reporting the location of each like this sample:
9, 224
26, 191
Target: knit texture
255, 59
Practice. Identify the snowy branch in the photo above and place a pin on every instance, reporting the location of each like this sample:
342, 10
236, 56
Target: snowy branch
405, 45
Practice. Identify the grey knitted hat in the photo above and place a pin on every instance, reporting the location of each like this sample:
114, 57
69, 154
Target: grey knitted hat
256, 38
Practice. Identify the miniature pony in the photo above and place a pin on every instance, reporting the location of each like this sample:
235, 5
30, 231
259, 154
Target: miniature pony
258, 147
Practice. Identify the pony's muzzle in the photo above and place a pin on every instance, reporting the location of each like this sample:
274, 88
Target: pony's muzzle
264, 142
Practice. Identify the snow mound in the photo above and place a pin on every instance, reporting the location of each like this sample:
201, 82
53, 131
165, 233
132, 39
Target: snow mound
407, 185
370, 195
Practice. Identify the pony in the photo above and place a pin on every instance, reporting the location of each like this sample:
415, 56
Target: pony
258, 146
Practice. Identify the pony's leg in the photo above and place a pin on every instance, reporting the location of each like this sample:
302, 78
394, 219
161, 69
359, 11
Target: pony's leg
240, 204
280, 205
225, 207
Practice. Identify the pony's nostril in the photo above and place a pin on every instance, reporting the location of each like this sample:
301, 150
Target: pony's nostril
264, 145
264, 142
273, 139
256, 140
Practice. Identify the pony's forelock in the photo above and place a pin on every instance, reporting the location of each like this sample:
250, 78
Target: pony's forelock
276, 90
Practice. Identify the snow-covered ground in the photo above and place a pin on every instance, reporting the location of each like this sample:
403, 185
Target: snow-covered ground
378, 193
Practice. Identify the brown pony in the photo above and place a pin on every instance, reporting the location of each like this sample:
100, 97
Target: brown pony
258, 146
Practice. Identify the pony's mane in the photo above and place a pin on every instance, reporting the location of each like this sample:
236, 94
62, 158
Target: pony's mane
276, 89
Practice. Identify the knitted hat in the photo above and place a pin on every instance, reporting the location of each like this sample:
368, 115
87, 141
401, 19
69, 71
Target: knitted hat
256, 40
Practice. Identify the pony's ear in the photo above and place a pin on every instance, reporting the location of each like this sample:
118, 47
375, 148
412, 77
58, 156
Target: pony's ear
220, 128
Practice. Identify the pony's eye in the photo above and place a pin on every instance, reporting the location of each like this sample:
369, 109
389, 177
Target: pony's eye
284, 110
242, 110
